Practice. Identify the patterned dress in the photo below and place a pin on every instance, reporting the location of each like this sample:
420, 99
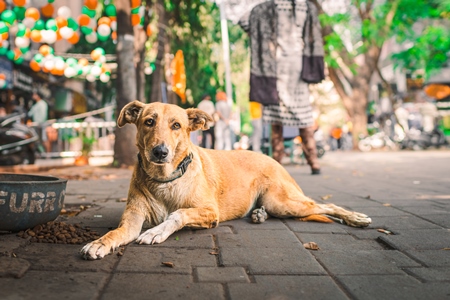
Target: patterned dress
277, 46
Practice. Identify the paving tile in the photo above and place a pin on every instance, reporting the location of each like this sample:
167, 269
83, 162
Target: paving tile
213, 231
378, 211
398, 223
423, 210
9, 242
364, 262
53, 285
186, 239
364, 233
160, 286
222, 274
431, 258
13, 267
101, 215
271, 260
246, 224
149, 259
421, 239
55, 257
439, 219
393, 287
287, 287
431, 274
338, 242
261, 239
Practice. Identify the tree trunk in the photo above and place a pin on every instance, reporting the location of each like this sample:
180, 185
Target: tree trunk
140, 37
359, 118
162, 41
124, 146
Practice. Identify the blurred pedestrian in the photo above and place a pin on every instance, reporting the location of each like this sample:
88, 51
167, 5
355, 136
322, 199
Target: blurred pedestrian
222, 127
39, 115
286, 55
208, 136
257, 124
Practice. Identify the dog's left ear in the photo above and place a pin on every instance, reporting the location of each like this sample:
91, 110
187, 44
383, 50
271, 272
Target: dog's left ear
198, 119
130, 113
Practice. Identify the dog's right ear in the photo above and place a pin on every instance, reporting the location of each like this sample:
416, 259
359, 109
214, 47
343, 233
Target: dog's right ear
130, 113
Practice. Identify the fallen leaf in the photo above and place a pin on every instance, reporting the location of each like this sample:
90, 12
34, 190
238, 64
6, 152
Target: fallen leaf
311, 246
384, 231
386, 204
326, 197
367, 197
214, 253
122, 200
168, 264
177, 238
445, 248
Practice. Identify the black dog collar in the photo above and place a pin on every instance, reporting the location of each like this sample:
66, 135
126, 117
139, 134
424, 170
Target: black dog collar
181, 169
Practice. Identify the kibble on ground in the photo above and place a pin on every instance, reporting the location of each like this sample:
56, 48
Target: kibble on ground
59, 233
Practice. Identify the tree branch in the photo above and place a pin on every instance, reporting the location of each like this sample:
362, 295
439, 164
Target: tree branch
327, 30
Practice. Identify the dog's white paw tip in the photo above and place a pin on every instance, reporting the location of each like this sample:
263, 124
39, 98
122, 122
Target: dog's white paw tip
358, 220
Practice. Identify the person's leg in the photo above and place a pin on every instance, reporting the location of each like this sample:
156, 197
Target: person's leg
309, 148
257, 134
277, 142
228, 138
213, 137
204, 138
219, 132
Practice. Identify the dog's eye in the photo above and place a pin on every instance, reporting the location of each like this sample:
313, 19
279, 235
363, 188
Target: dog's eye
149, 122
176, 126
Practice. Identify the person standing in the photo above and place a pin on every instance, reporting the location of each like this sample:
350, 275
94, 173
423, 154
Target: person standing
257, 124
208, 137
286, 50
39, 115
222, 127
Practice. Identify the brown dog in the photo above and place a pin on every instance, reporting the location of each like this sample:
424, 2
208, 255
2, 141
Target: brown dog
176, 184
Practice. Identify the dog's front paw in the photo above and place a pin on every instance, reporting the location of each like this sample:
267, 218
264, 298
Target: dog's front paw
152, 236
357, 219
95, 250
259, 215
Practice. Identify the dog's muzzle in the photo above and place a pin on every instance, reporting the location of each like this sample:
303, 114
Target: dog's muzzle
160, 153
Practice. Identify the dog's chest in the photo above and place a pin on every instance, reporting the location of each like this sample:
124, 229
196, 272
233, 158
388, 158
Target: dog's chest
172, 196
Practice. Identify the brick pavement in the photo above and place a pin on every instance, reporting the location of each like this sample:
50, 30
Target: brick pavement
407, 193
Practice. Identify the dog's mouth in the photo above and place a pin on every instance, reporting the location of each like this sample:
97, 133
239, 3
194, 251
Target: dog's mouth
156, 161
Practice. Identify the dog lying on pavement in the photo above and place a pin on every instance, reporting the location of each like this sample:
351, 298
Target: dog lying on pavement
176, 184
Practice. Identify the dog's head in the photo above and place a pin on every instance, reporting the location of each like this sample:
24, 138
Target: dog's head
163, 130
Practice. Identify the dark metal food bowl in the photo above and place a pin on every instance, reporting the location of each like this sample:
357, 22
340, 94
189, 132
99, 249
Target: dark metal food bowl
29, 200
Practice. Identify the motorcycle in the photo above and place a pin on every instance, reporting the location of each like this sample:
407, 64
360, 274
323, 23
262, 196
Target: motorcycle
18, 142
419, 140
378, 140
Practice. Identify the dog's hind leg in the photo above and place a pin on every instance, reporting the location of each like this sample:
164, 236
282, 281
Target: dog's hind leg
284, 204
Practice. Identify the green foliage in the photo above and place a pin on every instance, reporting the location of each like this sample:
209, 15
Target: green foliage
195, 29
422, 25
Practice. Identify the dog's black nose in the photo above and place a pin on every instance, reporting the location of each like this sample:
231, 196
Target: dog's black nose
160, 152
